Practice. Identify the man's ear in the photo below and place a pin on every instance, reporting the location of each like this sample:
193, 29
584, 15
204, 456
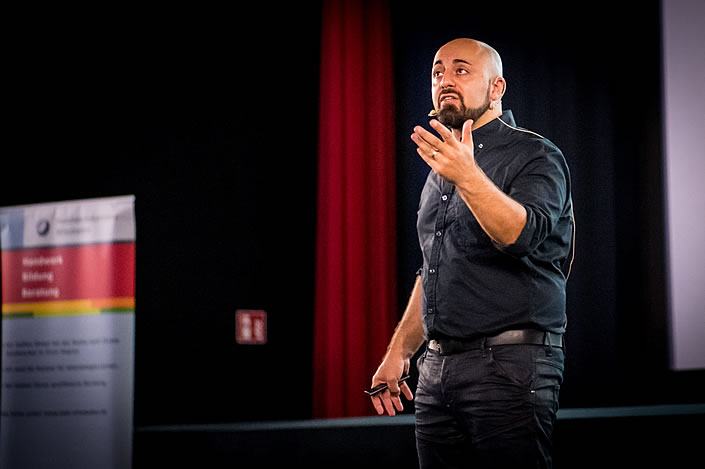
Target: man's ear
499, 86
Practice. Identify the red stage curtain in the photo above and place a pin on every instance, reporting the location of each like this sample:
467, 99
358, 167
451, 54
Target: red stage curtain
355, 304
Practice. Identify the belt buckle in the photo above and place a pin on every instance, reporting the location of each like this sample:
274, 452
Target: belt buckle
437, 346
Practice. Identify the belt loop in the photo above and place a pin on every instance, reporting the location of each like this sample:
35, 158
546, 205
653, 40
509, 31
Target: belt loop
483, 347
547, 344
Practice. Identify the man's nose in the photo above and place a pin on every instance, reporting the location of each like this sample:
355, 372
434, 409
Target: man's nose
446, 82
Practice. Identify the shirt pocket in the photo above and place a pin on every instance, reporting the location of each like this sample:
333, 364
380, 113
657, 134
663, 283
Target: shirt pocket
464, 227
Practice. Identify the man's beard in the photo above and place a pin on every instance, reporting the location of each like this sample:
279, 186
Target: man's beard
454, 118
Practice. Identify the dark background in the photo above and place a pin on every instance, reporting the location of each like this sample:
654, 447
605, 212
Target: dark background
210, 119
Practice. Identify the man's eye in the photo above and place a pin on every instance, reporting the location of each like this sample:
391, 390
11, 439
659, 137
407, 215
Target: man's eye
437, 74
462, 71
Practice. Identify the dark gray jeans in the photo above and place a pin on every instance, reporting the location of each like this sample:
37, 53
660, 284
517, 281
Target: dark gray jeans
488, 408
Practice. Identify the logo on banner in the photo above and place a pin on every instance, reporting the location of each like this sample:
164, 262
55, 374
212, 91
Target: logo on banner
43, 226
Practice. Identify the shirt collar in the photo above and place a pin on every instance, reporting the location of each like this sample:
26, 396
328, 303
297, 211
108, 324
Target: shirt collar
495, 125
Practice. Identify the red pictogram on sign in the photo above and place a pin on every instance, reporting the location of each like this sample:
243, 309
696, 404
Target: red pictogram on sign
250, 326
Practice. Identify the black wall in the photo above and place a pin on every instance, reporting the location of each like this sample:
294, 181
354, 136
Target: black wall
211, 121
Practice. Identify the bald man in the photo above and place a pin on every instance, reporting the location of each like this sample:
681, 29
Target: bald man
495, 227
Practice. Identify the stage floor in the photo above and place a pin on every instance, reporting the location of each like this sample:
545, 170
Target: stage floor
660, 436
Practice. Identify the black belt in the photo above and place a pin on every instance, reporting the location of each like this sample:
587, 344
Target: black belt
516, 337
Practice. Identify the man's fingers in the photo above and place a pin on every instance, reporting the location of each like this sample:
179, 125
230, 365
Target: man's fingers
425, 151
377, 403
423, 145
427, 137
393, 385
406, 390
386, 399
396, 400
443, 131
422, 148
467, 132
428, 159
389, 400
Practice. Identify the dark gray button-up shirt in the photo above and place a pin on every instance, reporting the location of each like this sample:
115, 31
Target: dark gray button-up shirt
473, 287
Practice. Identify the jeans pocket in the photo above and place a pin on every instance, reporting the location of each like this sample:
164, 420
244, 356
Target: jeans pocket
514, 364
550, 368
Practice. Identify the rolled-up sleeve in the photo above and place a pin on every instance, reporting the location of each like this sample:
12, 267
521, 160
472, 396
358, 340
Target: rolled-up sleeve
542, 187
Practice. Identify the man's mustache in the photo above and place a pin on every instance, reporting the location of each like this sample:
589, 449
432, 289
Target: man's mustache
433, 112
449, 93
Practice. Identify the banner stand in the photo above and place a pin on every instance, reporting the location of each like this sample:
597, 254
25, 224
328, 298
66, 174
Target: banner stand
68, 325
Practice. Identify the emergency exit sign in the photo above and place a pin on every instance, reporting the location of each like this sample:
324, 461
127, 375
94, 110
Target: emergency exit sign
250, 327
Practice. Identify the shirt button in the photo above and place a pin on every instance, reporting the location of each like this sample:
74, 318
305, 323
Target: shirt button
479, 146
431, 271
444, 197
430, 310
439, 233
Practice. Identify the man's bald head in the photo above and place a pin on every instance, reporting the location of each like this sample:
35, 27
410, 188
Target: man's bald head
491, 58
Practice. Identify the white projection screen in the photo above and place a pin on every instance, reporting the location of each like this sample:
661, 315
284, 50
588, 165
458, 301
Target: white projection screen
683, 36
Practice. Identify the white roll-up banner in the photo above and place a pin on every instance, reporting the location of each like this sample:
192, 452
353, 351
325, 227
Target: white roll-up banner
68, 325
683, 36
